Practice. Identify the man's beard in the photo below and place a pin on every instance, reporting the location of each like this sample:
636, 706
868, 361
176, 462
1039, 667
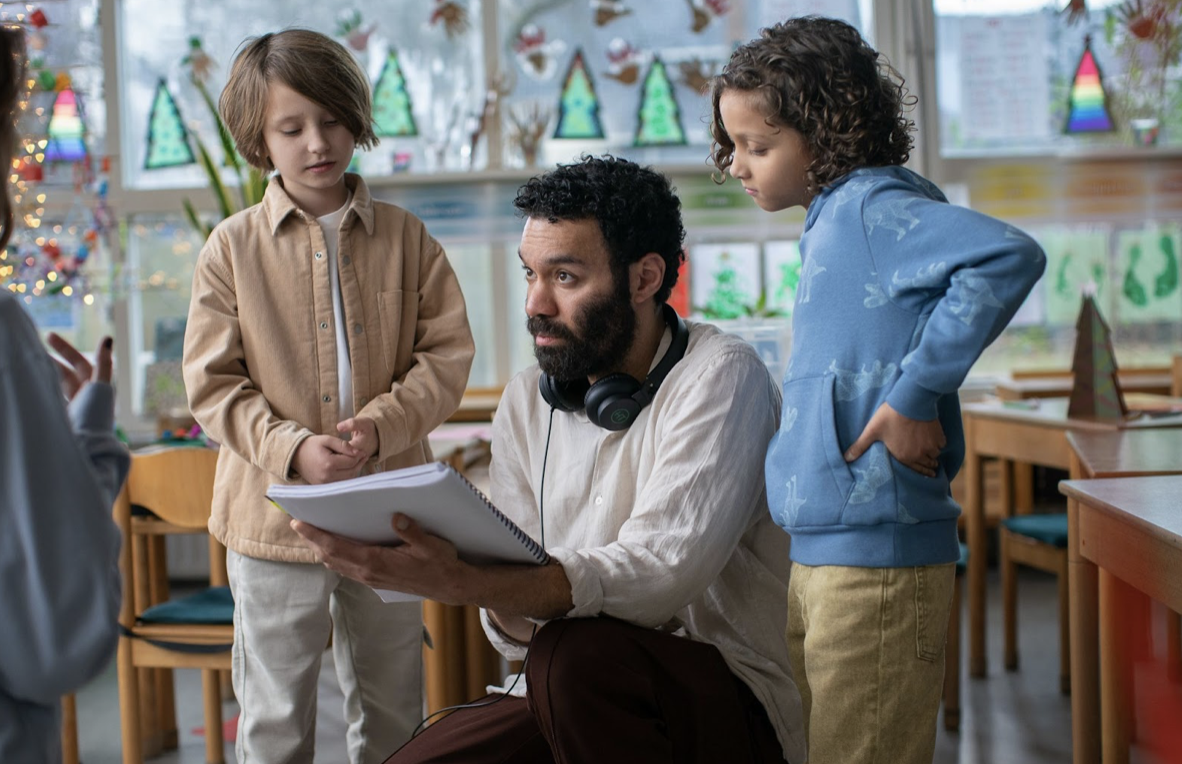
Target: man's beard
605, 331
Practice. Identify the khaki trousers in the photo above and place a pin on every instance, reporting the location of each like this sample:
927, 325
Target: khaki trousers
283, 614
867, 651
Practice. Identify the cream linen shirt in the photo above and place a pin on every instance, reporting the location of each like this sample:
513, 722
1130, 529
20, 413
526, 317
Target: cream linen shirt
664, 525
260, 361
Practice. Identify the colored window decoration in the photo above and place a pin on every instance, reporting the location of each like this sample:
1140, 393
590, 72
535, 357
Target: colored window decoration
66, 130
1087, 105
659, 119
392, 111
168, 140
578, 107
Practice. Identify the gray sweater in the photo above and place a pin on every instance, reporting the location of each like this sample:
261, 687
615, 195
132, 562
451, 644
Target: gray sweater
60, 471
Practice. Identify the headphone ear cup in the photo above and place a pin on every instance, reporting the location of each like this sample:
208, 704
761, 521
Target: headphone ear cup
561, 395
609, 402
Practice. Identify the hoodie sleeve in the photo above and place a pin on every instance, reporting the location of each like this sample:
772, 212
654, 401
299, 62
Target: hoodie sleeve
965, 273
59, 548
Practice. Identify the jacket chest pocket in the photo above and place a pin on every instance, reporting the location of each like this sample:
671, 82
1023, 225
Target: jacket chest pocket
398, 316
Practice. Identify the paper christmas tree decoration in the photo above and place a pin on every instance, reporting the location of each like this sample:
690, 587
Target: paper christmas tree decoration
659, 120
168, 140
66, 132
1087, 101
1096, 389
727, 297
578, 106
392, 111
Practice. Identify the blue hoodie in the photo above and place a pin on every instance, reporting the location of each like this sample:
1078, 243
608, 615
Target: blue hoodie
899, 293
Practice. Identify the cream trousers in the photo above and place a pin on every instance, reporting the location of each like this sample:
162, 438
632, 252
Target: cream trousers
283, 614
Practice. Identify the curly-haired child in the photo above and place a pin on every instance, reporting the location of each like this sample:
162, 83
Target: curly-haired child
900, 292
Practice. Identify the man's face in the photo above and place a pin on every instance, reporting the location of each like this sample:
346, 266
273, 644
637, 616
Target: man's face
581, 317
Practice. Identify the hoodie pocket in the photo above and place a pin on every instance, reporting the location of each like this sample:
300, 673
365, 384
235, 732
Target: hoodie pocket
808, 481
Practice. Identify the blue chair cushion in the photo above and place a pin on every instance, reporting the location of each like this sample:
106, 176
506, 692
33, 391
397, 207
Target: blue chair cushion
1049, 529
214, 605
963, 563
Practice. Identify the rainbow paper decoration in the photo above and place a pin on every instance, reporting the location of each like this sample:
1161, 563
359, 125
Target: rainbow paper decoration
1087, 102
66, 130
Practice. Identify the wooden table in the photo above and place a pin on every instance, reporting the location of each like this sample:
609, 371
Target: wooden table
478, 405
460, 662
1118, 453
1129, 531
1156, 381
1027, 432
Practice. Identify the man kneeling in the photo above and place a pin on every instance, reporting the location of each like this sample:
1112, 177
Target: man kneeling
655, 633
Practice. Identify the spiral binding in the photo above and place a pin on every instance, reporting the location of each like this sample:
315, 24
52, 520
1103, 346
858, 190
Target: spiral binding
532, 546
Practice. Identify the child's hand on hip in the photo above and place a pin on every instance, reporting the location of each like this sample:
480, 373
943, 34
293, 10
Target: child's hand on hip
326, 459
913, 443
362, 434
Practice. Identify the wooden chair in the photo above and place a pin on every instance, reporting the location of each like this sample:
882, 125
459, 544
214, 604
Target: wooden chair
952, 649
459, 663
168, 491
1039, 541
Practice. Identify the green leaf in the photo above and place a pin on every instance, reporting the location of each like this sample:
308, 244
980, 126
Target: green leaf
195, 219
220, 192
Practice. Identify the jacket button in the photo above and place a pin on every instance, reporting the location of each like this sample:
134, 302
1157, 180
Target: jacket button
346, 260
357, 329
323, 324
319, 255
327, 399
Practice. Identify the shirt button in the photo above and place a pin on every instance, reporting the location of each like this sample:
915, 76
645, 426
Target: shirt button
327, 399
323, 324
319, 255
357, 329
598, 500
346, 260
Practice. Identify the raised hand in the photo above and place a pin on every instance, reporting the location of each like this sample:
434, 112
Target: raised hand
73, 368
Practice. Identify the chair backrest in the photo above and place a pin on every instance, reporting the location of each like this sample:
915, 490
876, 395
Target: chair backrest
175, 484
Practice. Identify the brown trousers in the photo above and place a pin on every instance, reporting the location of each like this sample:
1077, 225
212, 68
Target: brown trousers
601, 690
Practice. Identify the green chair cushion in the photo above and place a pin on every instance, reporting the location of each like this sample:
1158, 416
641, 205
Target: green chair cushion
1049, 529
963, 563
214, 605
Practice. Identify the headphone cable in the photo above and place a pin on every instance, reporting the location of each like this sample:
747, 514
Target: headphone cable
542, 524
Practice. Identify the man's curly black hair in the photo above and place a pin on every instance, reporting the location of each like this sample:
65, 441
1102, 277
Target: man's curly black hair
636, 208
819, 77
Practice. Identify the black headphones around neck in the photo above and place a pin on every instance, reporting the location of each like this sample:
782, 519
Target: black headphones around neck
614, 401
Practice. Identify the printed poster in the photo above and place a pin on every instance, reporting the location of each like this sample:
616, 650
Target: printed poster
1077, 262
1146, 277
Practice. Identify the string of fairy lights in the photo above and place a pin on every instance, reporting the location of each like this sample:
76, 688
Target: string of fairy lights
59, 204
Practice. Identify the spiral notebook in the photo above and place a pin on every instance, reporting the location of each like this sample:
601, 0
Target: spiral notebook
440, 499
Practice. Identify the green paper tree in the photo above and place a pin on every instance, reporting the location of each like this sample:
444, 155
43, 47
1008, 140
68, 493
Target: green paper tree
726, 298
1095, 392
392, 111
789, 279
659, 118
168, 141
578, 106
